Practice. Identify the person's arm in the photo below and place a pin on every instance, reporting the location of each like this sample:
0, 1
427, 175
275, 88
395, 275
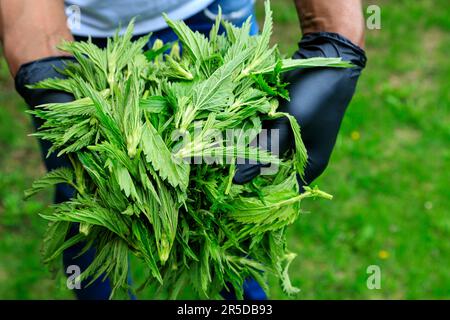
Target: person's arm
31, 30
344, 17
319, 96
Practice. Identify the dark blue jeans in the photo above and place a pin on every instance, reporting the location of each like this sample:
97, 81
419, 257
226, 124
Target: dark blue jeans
236, 12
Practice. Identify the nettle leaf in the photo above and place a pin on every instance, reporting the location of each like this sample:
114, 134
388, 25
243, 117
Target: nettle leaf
54, 239
216, 91
168, 215
151, 54
285, 280
54, 177
195, 44
264, 38
146, 246
161, 158
177, 70
154, 104
66, 85
126, 182
88, 211
294, 64
301, 156
111, 260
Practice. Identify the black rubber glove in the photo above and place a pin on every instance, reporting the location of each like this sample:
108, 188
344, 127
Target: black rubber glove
319, 98
32, 73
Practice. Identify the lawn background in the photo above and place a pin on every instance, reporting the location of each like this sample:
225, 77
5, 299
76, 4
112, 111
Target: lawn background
389, 173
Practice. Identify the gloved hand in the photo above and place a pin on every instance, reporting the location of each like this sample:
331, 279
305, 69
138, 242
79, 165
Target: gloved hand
318, 100
36, 71
32, 73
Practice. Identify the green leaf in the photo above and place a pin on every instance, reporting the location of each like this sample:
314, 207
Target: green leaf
54, 177
292, 64
151, 54
157, 153
154, 104
301, 156
195, 44
145, 246
125, 181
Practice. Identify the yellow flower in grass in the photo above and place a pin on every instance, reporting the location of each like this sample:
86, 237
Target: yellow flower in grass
355, 135
383, 254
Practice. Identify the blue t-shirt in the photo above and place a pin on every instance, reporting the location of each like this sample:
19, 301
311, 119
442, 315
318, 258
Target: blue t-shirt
101, 18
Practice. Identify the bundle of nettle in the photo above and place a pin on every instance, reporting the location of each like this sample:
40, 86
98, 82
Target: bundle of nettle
150, 173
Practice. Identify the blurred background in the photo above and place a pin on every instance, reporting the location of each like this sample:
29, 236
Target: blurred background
389, 173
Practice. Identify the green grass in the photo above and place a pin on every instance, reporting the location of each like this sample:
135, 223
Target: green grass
389, 174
